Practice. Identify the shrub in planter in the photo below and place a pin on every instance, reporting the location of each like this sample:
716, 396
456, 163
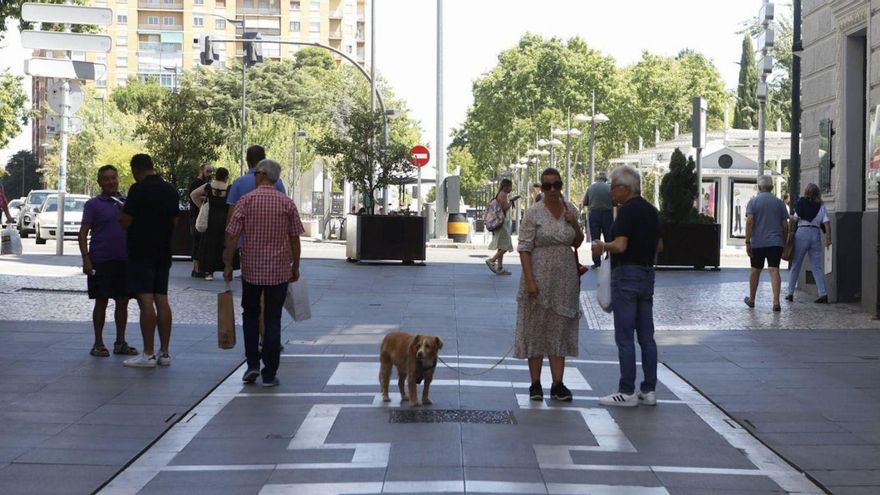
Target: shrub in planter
689, 238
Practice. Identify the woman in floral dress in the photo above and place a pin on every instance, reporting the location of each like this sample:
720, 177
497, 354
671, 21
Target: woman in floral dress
547, 302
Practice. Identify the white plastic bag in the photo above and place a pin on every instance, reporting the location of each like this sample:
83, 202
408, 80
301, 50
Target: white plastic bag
297, 301
10, 242
202, 218
603, 290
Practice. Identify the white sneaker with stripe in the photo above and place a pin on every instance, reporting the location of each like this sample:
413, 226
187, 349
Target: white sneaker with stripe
620, 400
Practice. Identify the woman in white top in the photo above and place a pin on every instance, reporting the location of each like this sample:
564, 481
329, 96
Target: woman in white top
811, 215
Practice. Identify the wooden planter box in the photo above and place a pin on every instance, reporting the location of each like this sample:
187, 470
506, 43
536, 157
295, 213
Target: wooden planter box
692, 245
385, 237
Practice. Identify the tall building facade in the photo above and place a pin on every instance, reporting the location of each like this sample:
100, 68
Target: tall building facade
156, 38
841, 146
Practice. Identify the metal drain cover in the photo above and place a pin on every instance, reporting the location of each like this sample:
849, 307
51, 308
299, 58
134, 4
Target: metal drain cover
452, 416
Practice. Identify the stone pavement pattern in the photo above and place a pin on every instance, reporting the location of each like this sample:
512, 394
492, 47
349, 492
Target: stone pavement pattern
323, 430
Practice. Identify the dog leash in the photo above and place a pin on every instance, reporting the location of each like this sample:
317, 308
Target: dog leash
480, 372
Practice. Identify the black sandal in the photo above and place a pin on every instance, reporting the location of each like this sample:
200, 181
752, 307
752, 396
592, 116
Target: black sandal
98, 350
124, 348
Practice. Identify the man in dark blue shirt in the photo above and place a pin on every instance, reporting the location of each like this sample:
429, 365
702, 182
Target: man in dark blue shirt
636, 234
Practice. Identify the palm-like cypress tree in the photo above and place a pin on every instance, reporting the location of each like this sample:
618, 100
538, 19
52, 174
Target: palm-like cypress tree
745, 115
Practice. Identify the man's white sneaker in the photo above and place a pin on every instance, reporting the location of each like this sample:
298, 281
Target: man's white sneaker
648, 398
164, 359
140, 361
620, 400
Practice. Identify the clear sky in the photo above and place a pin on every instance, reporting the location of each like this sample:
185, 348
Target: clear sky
477, 30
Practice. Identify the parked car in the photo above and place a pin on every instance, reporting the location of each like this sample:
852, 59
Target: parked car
14, 208
29, 210
47, 219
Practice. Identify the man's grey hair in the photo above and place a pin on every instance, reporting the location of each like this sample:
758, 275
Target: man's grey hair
602, 176
627, 176
270, 168
765, 183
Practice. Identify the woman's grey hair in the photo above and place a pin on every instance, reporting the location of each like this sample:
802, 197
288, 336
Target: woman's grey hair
270, 168
813, 192
627, 176
765, 183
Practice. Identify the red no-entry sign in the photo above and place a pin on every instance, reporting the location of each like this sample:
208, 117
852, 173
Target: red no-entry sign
419, 156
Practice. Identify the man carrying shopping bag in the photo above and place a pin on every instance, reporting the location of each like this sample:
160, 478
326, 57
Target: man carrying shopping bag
270, 226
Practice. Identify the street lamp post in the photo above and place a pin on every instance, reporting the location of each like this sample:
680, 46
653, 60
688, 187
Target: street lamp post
594, 119
298, 134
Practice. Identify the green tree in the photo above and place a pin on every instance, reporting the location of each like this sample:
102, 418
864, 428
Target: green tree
745, 115
22, 162
137, 96
13, 113
361, 160
179, 135
678, 192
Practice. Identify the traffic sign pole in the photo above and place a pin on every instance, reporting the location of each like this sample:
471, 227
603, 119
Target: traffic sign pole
62, 162
419, 157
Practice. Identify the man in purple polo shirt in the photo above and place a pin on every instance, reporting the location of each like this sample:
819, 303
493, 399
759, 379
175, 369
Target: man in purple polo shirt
104, 260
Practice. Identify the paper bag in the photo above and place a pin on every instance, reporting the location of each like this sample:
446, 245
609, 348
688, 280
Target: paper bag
829, 260
297, 301
603, 291
225, 319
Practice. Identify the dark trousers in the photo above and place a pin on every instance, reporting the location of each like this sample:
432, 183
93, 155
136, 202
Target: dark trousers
632, 296
600, 223
274, 302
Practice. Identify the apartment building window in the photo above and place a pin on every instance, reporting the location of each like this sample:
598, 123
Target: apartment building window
168, 21
121, 19
121, 80
295, 26
169, 2
219, 24
153, 20
121, 61
294, 5
122, 1
315, 27
315, 5
198, 2
198, 21
122, 40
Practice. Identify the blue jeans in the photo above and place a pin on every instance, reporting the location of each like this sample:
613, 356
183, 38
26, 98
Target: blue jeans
273, 296
632, 296
808, 240
600, 223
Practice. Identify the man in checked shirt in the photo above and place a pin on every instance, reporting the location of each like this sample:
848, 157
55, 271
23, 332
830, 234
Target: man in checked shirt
270, 226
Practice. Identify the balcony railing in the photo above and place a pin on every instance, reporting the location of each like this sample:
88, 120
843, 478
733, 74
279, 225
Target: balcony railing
336, 15
160, 27
160, 5
336, 35
258, 10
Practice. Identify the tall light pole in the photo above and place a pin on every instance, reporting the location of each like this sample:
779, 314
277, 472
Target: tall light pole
298, 134
440, 163
766, 40
569, 133
594, 119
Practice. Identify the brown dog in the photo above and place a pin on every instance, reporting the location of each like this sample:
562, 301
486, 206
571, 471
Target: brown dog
415, 358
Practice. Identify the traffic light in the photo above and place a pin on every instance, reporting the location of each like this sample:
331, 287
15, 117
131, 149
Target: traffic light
253, 52
207, 56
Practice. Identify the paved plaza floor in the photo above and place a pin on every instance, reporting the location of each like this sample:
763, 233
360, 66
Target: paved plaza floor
749, 401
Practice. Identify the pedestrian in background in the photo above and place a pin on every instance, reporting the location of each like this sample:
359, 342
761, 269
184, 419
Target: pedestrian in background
766, 229
597, 200
269, 224
104, 260
248, 182
636, 232
812, 221
149, 216
501, 240
548, 309
537, 195
211, 246
205, 172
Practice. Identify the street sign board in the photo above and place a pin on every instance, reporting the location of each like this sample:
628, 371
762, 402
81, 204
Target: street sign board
74, 124
419, 156
51, 40
56, 97
64, 69
66, 14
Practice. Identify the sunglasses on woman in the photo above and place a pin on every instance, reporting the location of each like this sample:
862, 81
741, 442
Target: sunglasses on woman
546, 186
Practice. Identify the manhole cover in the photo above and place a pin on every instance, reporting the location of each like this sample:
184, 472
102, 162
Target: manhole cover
452, 416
